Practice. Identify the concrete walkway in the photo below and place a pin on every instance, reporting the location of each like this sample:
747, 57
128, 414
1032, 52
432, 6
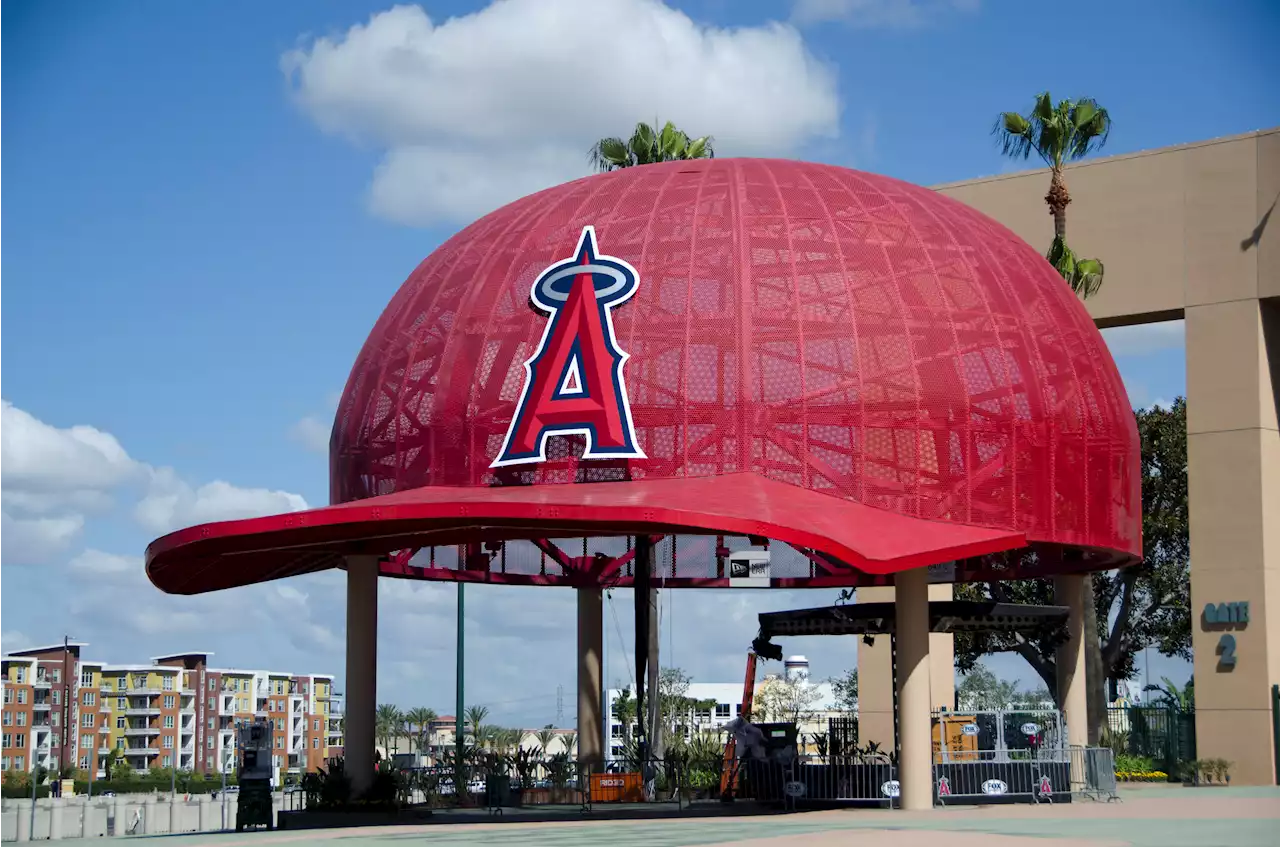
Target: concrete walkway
1157, 817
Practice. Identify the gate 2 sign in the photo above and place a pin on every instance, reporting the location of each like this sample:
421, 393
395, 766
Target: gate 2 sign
1226, 616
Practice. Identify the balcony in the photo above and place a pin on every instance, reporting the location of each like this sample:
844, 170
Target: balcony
142, 711
104, 729
140, 751
42, 682
140, 690
141, 730
40, 707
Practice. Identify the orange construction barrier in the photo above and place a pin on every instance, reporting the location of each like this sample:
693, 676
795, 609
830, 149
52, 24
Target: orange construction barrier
617, 788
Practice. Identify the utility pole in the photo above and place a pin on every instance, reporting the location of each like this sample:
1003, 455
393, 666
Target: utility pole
459, 734
67, 712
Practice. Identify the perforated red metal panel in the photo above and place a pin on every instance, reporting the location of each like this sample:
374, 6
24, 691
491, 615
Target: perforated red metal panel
837, 330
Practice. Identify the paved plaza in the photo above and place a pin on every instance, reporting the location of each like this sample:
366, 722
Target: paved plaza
1148, 817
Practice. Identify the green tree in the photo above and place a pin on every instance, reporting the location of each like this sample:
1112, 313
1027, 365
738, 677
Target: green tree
419, 721
981, 689
1059, 133
545, 736
648, 145
570, 740
387, 723
475, 720
624, 712
1148, 604
845, 688
1171, 696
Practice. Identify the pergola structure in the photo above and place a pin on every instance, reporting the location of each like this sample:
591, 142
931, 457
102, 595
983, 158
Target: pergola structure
690, 359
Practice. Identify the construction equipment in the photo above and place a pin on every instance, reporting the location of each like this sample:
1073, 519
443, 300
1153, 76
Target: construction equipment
254, 772
729, 769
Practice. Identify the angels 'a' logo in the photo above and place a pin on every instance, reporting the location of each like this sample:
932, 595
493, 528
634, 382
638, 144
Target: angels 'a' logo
573, 383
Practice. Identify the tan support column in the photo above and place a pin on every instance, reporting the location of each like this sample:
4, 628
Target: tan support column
915, 767
362, 670
875, 680
1068, 590
591, 739
875, 671
1233, 468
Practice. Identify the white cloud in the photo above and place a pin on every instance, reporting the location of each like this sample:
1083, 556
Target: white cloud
1141, 339
311, 433
44, 459
14, 640
95, 564
478, 110
171, 503
37, 540
869, 14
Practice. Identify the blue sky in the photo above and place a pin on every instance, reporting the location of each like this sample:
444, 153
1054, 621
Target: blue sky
196, 244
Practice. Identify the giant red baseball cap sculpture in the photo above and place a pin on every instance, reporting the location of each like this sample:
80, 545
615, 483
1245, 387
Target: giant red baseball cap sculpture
861, 372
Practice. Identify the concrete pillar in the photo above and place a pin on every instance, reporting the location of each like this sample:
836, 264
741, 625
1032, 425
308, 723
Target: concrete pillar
150, 817
362, 670
175, 812
1233, 469
56, 807
915, 766
118, 815
591, 738
875, 680
1068, 590
24, 819
875, 671
86, 822
206, 814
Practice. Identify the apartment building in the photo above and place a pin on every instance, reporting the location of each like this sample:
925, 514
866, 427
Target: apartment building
175, 711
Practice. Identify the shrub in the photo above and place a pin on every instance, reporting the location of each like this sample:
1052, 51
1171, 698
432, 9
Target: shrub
1130, 762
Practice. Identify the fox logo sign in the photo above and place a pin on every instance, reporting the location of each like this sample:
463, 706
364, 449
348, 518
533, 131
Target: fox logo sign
573, 382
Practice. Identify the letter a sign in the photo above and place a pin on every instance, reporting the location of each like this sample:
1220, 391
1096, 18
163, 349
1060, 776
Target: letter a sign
573, 382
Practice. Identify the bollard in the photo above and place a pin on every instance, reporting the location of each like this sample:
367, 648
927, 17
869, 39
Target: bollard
173, 814
206, 813
86, 827
121, 824
24, 820
149, 816
55, 818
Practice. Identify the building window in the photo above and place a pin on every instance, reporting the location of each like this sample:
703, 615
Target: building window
211, 703
122, 722
8, 718
169, 701
168, 683
315, 742
121, 683
86, 677
213, 684
57, 674
315, 722
120, 743
86, 742
210, 723
22, 675
209, 744
122, 702
20, 740
20, 763
91, 698
84, 763
86, 720
4, 764
168, 761
22, 719
8, 695
168, 742
722, 709
168, 719
22, 695
8, 738
54, 718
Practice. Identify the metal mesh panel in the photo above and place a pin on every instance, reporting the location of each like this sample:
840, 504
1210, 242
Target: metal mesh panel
836, 330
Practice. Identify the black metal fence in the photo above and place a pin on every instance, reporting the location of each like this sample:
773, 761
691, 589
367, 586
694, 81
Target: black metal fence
1164, 734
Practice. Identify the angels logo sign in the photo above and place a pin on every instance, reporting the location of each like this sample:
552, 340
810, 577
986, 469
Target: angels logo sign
573, 382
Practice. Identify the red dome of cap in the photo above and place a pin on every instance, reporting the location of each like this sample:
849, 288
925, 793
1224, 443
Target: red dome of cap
839, 331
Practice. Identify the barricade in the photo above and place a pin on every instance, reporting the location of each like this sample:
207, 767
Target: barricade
808, 781
1039, 776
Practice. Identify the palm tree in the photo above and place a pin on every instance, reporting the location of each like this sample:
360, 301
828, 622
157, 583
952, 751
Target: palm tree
648, 145
1059, 134
420, 720
545, 736
475, 718
387, 722
570, 740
